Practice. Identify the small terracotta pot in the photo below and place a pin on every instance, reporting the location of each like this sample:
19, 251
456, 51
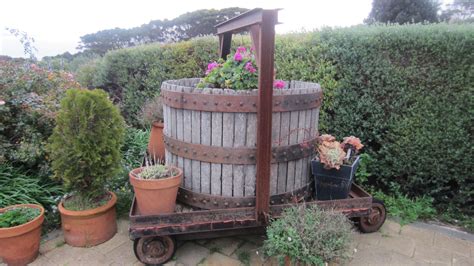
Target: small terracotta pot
156, 145
155, 196
19, 245
90, 227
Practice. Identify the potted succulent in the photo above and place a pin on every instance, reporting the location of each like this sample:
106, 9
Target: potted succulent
334, 166
156, 187
85, 153
20, 232
152, 114
308, 236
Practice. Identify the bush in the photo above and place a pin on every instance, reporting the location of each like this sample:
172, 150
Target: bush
31, 98
309, 236
405, 90
85, 145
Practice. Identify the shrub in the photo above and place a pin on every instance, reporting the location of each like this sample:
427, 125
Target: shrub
85, 145
309, 235
30, 97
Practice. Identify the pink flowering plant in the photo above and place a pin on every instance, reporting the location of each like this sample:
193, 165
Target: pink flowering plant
238, 72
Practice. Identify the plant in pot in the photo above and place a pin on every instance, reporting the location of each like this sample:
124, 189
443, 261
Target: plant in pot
156, 187
152, 114
309, 236
334, 166
85, 153
20, 232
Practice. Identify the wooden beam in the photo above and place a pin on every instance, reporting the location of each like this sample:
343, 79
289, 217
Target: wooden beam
240, 22
264, 112
225, 41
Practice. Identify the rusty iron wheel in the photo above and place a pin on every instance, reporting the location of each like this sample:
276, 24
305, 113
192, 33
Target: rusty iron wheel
154, 250
376, 218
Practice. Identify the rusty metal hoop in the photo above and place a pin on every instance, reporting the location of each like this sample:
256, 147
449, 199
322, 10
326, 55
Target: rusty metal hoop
154, 250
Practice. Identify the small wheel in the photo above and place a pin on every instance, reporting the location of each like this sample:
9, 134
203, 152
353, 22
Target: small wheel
376, 218
154, 250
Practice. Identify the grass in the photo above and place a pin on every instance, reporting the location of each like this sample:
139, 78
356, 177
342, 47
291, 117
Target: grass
81, 203
244, 257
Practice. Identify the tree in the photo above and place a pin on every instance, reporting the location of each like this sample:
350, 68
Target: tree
459, 11
28, 42
403, 11
184, 27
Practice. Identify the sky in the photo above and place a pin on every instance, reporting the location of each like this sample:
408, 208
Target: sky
57, 25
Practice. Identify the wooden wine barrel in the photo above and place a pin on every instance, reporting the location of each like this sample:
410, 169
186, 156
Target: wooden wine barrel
211, 134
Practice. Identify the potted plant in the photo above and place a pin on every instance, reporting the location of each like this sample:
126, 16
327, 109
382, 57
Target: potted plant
20, 232
334, 166
152, 114
308, 236
85, 152
156, 187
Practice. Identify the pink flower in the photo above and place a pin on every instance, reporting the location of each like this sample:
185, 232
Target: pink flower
241, 49
249, 67
238, 56
279, 84
211, 66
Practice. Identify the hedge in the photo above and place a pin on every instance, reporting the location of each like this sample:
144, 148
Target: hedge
405, 90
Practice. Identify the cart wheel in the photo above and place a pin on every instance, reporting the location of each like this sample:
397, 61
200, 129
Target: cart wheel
154, 250
376, 218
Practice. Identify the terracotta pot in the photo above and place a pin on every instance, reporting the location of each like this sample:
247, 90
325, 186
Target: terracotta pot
155, 196
19, 245
156, 145
90, 227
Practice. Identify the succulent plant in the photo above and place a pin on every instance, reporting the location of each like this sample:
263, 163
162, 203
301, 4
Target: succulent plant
156, 171
330, 152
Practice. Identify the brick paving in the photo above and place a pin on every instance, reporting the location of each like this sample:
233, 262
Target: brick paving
415, 244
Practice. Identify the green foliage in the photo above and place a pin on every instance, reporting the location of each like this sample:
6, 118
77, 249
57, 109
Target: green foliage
406, 209
18, 216
135, 144
85, 145
79, 202
402, 11
18, 187
309, 235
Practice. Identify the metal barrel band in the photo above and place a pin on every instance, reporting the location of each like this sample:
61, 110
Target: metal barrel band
232, 103
236, 155
207, 201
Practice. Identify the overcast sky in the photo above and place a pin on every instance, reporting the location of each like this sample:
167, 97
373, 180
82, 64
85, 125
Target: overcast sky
57, 25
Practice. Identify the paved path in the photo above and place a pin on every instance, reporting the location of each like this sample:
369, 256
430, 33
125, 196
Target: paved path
416, 244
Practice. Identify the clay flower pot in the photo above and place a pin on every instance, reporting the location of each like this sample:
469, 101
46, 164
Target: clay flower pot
155, 196
19, 245
156, 145
90, 227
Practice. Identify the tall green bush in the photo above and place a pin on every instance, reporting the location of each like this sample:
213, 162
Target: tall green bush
405, 90
85, 145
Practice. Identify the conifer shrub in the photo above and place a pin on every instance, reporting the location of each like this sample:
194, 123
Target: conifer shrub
85, 144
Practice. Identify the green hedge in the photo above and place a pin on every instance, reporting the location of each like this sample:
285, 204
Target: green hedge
405, 90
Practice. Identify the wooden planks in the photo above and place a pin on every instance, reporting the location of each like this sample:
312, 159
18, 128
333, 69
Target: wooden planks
234, 129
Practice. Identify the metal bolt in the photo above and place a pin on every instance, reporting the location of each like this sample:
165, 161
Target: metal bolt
194, 199
277, 103
229, 104
204, 154
238, 204
204, 201
272, 202
297, 101
205, 103
215, 203
185, 196
176, 99
186, 150
185, 101
226, 204
240, 156
194, 102
215, 155
254, 105
241, 104
282, 200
